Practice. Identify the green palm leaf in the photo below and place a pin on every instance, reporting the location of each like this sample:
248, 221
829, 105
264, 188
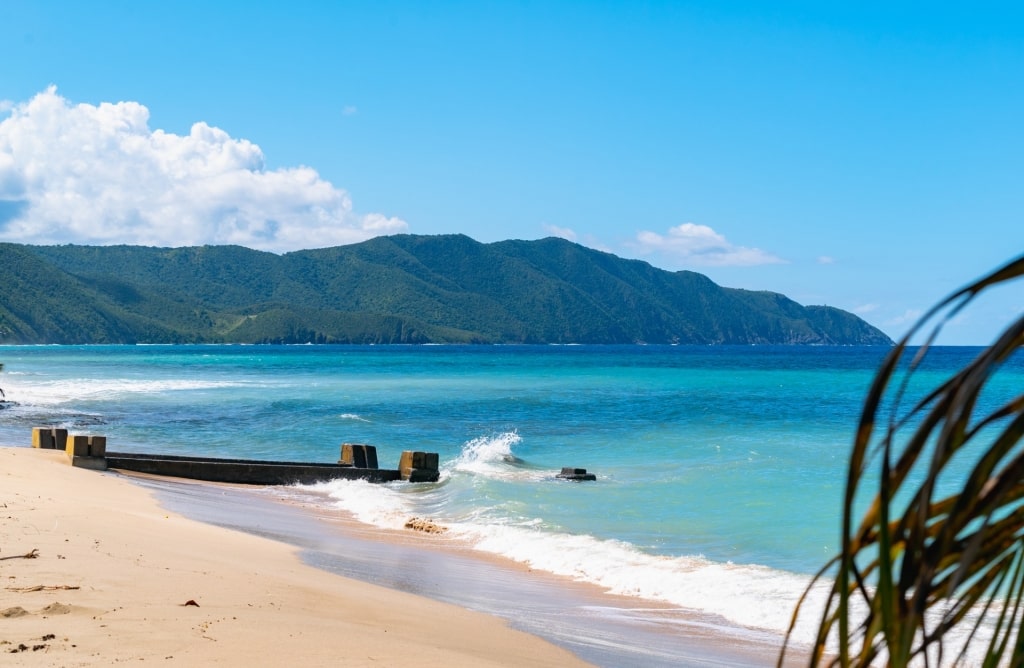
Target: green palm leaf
918, 565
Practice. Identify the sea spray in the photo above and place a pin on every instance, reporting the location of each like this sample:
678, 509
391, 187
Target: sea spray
370, 503
491, 458
481, 454
78, 391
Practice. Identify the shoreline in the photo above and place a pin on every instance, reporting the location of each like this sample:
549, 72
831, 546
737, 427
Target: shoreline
602, 628
506, 606
96, 570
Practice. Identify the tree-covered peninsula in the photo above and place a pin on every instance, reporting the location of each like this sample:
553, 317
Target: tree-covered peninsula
395, 289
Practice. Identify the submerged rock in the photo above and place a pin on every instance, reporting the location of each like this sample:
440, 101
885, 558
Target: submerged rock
570, 473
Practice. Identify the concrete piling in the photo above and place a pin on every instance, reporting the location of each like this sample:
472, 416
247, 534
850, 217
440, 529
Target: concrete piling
82, 450
358, 462
78, 445
49, 438
416, 466
97, 446
358, 455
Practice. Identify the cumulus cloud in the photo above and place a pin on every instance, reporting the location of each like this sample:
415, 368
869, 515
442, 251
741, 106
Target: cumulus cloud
78, 173
693, 244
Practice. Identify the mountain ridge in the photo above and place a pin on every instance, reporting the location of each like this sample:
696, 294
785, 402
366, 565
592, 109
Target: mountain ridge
391, 289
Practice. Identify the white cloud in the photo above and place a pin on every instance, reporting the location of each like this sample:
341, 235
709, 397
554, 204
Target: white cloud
99, 175
907, 317
694, 244
826, 259
561, 232
349, 110
865, 308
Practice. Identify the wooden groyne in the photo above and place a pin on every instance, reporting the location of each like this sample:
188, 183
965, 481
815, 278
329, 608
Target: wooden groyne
358, 461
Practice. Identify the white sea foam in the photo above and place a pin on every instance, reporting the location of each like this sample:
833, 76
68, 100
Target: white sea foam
483, 453
750, 596
57, 392
370, 503
353, 416
492, 457
746, 595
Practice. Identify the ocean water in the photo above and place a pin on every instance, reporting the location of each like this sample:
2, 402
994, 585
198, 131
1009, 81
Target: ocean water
720, 470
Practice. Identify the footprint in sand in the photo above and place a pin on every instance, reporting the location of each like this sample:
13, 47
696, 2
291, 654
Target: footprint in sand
16, 611
56, 609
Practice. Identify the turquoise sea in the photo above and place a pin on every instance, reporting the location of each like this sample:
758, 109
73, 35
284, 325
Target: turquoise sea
720, 469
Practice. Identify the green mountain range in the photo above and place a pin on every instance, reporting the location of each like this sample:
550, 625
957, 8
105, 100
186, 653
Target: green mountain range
396, 289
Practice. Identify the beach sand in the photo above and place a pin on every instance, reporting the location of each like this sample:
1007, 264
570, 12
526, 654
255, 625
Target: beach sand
114, 577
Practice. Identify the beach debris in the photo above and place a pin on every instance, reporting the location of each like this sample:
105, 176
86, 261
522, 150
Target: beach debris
22, 647
570, 473
191, 601
23, 590
34, 554
425, 525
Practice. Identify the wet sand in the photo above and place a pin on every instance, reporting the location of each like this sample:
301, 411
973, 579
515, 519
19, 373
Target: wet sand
95, 571
603, 629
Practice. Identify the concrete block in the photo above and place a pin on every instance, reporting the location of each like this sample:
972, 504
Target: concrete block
358, 455
97, 446
42, 437
405, 463
77, 445
417, 466
423, 475
49, 438
92, 463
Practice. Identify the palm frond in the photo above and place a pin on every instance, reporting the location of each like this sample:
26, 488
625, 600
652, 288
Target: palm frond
917, 565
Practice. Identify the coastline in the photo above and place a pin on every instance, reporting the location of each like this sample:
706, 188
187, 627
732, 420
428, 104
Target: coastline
115, 576
599, 627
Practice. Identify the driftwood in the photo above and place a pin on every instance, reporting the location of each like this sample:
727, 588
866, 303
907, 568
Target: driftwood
42, 588
34, 554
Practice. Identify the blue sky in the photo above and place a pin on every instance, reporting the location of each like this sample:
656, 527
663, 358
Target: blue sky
868, 156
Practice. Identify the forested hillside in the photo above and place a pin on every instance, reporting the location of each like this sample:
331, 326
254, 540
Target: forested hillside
397, 289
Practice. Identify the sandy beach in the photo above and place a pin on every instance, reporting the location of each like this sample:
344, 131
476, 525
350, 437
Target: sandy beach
96, 572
